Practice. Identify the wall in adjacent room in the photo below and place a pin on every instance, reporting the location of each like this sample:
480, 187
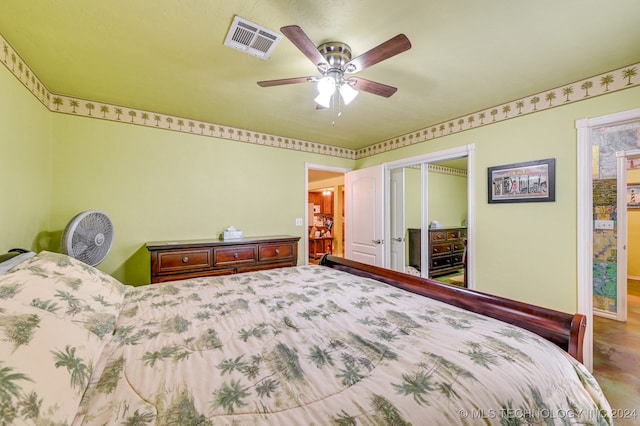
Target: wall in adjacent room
25, 166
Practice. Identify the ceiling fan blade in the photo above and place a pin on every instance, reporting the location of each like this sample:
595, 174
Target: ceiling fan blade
373, 87
304, 44
386, 50
283, 81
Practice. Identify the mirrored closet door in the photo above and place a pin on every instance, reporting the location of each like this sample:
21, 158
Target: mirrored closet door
430, 196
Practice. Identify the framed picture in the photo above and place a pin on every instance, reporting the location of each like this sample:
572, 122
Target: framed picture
533, 181
633, 196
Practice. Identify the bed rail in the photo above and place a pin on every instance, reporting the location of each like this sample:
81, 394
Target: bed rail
560, 328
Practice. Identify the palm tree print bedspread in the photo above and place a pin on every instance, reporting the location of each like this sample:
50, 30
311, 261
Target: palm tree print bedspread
297, 346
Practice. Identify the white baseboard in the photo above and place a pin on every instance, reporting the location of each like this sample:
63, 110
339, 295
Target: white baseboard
604, 314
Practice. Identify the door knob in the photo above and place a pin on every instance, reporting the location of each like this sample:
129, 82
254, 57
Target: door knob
398, 239
376, 241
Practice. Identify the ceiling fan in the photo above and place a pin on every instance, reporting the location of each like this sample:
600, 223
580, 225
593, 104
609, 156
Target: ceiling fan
333, 61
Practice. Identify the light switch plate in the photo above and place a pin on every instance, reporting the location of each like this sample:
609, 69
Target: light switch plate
298, 221
603, 224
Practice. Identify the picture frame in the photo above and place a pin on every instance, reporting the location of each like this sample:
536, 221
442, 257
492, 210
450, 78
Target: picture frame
633, 196
528, 182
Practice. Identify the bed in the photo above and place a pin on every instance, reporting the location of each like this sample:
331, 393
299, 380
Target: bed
336, 344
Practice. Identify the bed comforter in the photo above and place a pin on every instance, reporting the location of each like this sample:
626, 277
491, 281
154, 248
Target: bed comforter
291, 346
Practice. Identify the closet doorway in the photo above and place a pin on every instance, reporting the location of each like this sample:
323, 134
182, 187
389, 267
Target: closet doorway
429, 215
324, 212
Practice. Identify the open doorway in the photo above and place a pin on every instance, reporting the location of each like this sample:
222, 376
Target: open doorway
600, 141
324, 208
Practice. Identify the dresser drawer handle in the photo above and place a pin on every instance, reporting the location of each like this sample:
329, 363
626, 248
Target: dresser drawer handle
448, 248
435, 250
235, 255
277, 251
185, 259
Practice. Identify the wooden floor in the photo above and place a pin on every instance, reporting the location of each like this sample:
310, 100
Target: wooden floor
616, 359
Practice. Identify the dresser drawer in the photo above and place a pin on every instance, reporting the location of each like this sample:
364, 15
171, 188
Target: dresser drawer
174, 261
275, 252
234, 255
441, 262
458, 246
453, 235
436, 236
437, 249
195, 274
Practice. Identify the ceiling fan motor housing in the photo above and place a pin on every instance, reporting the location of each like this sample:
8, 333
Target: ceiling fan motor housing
337, 54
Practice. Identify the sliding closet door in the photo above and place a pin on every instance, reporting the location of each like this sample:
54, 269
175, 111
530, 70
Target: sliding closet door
397, 219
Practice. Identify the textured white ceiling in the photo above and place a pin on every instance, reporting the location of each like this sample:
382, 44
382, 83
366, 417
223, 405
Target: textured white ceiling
167, 56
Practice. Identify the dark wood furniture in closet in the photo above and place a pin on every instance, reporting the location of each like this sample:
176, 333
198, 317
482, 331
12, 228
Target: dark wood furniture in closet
446, 250
177, 260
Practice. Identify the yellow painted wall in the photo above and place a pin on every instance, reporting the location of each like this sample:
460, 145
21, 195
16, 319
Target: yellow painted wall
162, 185
25, 166
633, 233
159, 185
412, 198
447, 198
526, 251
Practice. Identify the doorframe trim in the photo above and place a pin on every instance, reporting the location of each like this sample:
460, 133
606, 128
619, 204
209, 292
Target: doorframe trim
305, 222
467, 151
585, 218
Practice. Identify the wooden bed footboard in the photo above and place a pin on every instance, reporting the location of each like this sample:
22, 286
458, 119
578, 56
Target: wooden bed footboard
565, 330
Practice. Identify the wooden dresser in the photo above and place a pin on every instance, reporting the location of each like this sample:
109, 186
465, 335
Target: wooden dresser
446, 249
177, 260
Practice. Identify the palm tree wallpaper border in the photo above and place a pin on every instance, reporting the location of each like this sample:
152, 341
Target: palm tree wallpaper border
612, 81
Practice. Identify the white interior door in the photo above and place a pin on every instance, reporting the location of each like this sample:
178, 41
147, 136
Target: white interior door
364, 211
397, 220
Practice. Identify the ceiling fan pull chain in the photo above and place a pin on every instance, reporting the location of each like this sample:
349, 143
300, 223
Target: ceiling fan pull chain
333, 110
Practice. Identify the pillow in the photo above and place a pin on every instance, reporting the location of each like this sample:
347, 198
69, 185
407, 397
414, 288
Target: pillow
67, 288
46, 363
11, 259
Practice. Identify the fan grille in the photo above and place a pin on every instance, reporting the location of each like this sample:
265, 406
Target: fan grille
88, 237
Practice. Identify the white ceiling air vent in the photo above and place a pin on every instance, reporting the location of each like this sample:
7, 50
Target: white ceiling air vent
252, 39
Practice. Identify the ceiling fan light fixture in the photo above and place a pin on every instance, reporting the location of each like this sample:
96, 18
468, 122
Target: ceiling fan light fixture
324, 99
326, 89
327, 85
348, 93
